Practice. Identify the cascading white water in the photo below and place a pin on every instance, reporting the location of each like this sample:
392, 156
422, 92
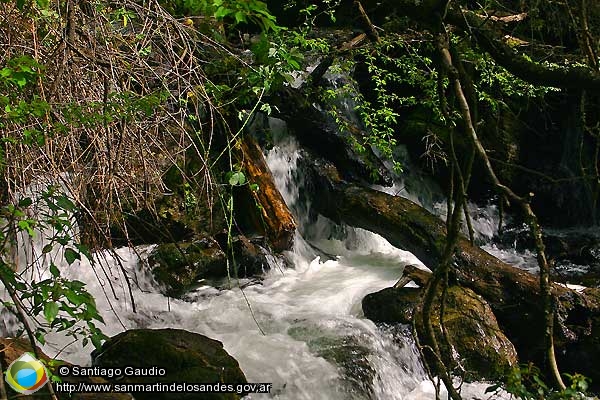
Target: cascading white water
316, 344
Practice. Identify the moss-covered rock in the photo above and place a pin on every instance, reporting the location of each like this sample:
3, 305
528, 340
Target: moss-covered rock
477, 344
185, 356
484, 351
179, 266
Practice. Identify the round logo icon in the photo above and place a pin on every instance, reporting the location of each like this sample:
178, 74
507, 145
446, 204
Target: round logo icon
26, 374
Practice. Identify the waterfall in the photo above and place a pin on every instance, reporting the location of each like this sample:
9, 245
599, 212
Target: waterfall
317, 344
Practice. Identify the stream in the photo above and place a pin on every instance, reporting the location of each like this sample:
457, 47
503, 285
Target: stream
300, 328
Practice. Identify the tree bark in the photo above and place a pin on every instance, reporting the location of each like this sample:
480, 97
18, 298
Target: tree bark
274, 216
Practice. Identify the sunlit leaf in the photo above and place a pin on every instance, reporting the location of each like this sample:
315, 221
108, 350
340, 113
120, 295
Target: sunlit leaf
51, 311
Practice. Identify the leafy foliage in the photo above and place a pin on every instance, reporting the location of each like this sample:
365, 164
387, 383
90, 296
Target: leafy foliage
232, 11
526, 382
64, 304
494, 85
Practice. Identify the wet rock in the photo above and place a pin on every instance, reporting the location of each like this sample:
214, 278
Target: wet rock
179, 266
11, 349
477, 344
484, 350
512, 294
185, 356
249, 258
392, 305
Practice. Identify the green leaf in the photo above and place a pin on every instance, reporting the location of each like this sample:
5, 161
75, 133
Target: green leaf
54, 270
71, 255
97, 341
25, 202
47, 248
222, 12
239, 17
27, 225
76, 285
83, 249
39, 335
64, 203
50, 311
237, 178
20, 79
540, 383
75, 298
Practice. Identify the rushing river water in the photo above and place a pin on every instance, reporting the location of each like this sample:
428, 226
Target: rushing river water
301, 327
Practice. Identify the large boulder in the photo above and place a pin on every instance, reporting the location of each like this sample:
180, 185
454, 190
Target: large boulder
185, 357
473, 332
477, 345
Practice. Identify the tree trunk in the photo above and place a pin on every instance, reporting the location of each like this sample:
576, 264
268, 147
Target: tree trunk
270, 213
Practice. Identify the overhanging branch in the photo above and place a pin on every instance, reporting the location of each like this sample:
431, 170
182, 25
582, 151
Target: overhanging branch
489, 35
490, 39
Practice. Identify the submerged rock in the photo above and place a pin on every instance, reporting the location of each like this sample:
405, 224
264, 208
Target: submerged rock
346, 352
184, 356
352, 358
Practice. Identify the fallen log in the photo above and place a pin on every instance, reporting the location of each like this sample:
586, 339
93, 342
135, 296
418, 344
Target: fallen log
269, 214
513, 294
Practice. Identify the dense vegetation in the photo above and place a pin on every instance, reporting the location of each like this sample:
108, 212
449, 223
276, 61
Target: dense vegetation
131, 115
